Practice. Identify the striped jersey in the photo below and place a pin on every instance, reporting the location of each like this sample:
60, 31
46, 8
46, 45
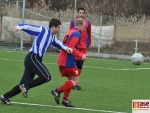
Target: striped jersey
85, 35
43, 38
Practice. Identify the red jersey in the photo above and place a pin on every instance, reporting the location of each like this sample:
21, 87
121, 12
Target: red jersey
71, 39
85, 35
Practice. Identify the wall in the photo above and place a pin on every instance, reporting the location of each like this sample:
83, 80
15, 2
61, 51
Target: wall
10, 22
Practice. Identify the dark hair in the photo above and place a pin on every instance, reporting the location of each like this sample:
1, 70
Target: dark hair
81, 9
54, 22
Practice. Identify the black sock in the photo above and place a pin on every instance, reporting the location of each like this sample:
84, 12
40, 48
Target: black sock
16, 90
36, 82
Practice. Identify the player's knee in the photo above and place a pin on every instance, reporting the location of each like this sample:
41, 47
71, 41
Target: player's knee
48, 78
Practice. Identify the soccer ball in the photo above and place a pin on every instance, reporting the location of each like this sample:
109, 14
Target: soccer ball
137, 59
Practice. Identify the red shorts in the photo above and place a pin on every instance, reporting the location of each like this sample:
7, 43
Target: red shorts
83, 50
66, 71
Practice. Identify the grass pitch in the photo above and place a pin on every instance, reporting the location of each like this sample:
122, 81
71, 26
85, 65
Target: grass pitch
108, 85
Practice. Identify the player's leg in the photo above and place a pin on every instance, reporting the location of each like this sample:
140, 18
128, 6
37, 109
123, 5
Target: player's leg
43, 76
27, 76
5, 98
79, 64
65, 100
34, 63
67, 86
56, 92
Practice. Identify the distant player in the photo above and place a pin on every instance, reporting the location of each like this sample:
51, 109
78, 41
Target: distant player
44, 37
85, 39
67, 62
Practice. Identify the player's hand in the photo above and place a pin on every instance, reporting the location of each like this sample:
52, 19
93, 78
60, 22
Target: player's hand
16, 29
69, 50
85, 57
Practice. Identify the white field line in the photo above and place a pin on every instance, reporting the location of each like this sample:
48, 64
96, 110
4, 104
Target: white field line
83, 109
85, 66
118, 69
51, 54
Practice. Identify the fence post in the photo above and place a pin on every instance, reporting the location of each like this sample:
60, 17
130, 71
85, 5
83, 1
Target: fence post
75, 8
0, 19
99, 45
23, 16
136, 43
59, 17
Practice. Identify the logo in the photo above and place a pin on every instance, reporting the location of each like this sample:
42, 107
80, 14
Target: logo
140, 106
76, 72
135, 104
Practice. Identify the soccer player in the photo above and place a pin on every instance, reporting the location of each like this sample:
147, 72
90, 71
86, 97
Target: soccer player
67, 62
43, 38
85, 39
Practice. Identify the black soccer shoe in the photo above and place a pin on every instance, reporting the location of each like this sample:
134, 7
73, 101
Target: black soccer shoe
24, 90
77, 87
56, 95
67, 103
5, 100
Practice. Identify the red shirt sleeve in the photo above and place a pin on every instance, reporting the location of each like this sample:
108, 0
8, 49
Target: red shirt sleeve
72, 44
89, 35
71, 25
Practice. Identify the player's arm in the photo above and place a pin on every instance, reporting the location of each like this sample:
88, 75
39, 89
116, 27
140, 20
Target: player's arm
71, 25
30, 29
78, 55
57, 43
89, 33
72, 44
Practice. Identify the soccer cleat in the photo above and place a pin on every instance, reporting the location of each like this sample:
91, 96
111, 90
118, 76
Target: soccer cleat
67, 103
77, 87
24, 90
56, 95
5, 100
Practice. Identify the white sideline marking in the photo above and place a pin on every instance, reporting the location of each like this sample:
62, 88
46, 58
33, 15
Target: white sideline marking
52, 54
84, 109
87, 66
118, 69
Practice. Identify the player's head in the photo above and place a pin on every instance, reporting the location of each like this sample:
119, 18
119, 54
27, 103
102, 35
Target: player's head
80, 24
54, 25
81, 12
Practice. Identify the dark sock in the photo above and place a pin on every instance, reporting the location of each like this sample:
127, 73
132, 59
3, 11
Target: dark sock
16, 90
36, 82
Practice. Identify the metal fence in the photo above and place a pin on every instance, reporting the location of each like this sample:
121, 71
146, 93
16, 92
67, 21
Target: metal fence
112, 35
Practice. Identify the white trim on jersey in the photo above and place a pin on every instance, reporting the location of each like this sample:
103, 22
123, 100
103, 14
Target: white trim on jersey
43, 38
